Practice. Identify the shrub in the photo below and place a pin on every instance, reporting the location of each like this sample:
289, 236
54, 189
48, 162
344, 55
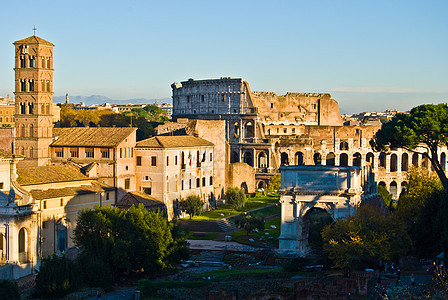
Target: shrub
192, 205
235, 197
296, 264
9, 290
57, 277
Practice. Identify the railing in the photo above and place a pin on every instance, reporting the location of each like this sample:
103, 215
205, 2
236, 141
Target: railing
249, 110
23, 257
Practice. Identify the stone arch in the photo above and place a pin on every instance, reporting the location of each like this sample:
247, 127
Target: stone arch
357, 159
244, 187
382, 160
236, 129
330, 159
31, 152
262, 160
284, 159
23, 241
383, 184
393, 190
299, 159
343, 145
249, 130
317, 158
314, 220
262, 184
443, 160
404, 162
370, 157
404, 187
415, 160
248, 158
23, 131
393, 162
425, 162
235, 157
343, 160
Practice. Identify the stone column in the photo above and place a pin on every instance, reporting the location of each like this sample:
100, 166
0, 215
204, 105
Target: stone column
387, 163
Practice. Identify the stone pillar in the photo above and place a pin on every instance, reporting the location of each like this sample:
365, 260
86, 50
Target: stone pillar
336, 160
387, 163
324, 160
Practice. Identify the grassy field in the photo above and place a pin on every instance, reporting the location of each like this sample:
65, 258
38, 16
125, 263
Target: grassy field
226, 211
241, 237
207, 236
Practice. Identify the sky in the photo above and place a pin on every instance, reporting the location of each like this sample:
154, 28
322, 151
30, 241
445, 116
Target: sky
370, 55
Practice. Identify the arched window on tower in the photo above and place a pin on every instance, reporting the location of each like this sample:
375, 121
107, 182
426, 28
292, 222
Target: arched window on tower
30, 108
48, 86
31, 130
43, 63
31, 152
22, 108
42, 86
32, 62
48, 63
22, 85
23, 133
22, 62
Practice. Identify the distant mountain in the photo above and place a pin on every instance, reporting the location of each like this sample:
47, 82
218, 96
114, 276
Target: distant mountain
100, 99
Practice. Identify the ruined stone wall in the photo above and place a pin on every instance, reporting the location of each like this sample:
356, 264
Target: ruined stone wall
242, 175
7, 139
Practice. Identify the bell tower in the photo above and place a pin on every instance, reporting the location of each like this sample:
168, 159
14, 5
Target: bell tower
33, 100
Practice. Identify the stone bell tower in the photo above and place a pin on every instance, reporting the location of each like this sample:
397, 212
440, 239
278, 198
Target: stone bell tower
33, 100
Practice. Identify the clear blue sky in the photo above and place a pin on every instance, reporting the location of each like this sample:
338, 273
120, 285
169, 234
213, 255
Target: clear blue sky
370, 55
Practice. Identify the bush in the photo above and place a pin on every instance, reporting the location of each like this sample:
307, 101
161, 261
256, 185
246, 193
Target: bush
249, 222
57, 277
235, 197
150, 288
192, 205
9, 290
296, 264
274, 182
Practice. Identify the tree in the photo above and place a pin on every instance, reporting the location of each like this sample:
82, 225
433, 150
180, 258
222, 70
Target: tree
9, 290
274, 182
235, 197
249, 222
132, 241
425, 125
363, 239
192, 205
57, 277
387, 197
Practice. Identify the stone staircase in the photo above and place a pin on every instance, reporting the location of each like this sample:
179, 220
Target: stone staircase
226, 225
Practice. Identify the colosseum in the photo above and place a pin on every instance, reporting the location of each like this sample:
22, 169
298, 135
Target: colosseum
266, 130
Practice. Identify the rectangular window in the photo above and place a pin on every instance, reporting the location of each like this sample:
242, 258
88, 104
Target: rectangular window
139, 160
203, 181
167, 161
211, 180
107, 196
198, 182
59, 152
175, 160
127, 183
1, 185
153, 161
44, 225
147, 191
61, 203
90, 153
45, 204
104, 153
190, 183
211, 156
74, 152
182, 185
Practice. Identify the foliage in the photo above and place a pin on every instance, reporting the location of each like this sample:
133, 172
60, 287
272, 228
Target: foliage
296, 264
422, 210
129, 241
274, 182
387, 197
235, 197
364, 238
192, 205
57, 277
425, 124
318, 219
150, 288
144, 122
249, 222
9, 290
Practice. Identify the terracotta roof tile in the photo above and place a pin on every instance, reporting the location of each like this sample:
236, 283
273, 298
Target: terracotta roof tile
173, 142
33, 40
91, 136
49, 174
135, 198
95, 187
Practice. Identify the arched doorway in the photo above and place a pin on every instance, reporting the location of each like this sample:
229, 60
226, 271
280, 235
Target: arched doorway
382, 183
370, 157
357, 159
343, 146
382, 160
404, 187
330, 159
261, 184
236, 129
23, 246
249, 130
404, 162
298, 159
248, 159
393, 189
393, 163
415, 160
343, 160
314, 220
244, 187
262, 160
317, 159
235, 157
284, 160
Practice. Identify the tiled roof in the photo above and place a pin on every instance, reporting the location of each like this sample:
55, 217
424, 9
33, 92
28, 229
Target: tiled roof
33, 40
91, 136
5, 154
95, 187
49, 174
173, 142
135, 198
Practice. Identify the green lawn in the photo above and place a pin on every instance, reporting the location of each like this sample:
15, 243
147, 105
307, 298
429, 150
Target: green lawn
251, 204
241, 237
208, 236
